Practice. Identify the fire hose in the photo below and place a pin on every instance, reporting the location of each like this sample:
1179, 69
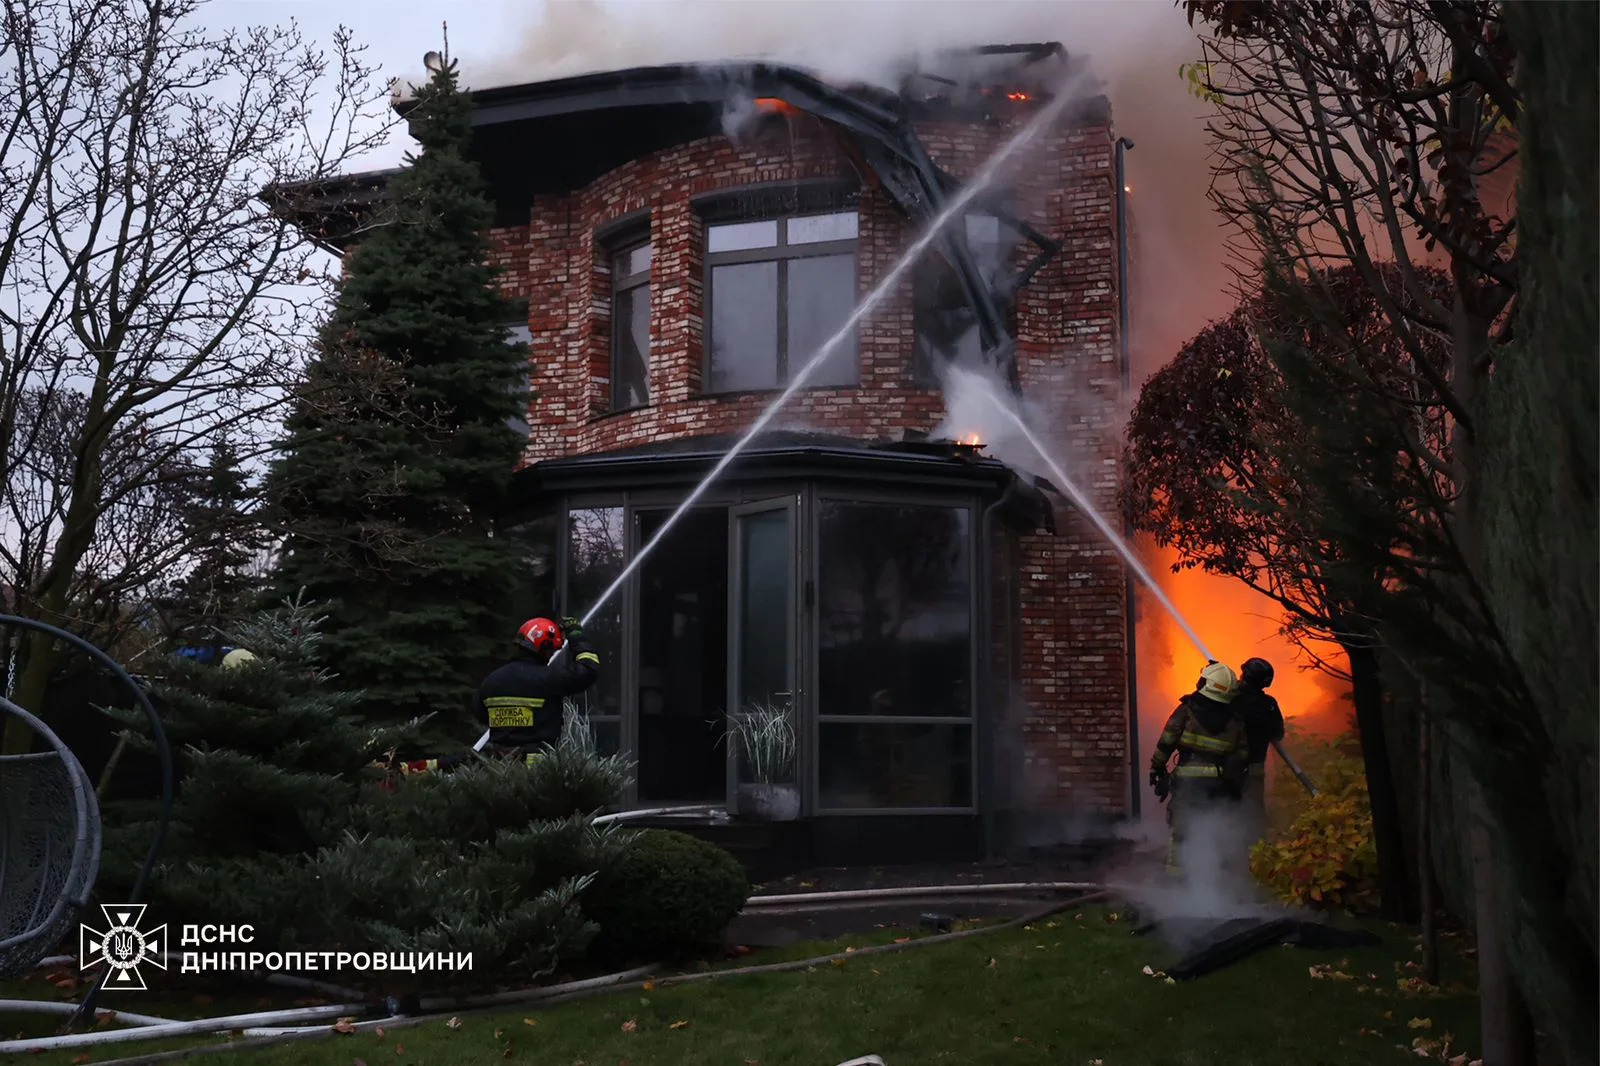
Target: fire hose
1294, 767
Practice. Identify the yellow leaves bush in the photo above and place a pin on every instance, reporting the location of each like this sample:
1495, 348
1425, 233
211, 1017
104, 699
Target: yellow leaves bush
1325, 856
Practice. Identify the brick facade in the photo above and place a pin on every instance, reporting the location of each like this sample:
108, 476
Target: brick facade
1070, 714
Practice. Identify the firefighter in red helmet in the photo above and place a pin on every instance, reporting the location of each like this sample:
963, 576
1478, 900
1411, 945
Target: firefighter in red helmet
523, 701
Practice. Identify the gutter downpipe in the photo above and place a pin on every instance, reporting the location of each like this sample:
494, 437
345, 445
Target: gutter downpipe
1130, 590
987, 767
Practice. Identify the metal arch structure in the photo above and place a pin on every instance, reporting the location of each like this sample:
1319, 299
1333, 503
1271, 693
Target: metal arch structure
50, 840
158, 735
886, 142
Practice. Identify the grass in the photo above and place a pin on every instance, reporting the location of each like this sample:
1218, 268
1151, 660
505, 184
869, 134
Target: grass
1071, 990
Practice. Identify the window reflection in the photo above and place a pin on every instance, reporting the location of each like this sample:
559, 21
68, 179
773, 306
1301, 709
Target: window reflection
596, 554
894, 610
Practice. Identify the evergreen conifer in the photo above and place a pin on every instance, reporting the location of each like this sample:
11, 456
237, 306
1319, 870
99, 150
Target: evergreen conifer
400, 446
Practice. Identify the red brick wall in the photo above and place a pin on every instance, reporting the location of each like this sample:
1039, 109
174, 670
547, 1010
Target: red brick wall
1073, 703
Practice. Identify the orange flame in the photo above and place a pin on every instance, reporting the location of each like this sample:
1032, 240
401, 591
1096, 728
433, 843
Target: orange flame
1236, 622
1018, 96
972, 440
776, 106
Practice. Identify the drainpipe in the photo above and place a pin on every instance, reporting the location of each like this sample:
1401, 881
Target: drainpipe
986, 767
1136, 794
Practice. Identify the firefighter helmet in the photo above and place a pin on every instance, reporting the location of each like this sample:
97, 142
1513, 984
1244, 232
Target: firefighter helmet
1217, 682
1257, 673
541, 635
237, 658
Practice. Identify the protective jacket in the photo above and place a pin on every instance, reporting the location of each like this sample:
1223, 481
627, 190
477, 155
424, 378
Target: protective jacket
1210, 741
1263, 723
521, 702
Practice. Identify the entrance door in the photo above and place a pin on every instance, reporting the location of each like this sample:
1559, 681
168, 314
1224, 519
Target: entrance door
682, 647
763, 572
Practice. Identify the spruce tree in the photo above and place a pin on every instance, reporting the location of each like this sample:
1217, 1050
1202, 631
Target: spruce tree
269, 760
398, 451
227, 538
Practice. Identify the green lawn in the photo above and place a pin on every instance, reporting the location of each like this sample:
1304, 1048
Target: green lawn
1071, 990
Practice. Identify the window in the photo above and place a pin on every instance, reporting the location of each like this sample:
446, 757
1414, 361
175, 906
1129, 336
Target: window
778, 290
596, 554
894, 655
519, 333
946, 325
630, 327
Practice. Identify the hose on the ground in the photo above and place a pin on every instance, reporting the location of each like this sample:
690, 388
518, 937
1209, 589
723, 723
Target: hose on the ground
552, 994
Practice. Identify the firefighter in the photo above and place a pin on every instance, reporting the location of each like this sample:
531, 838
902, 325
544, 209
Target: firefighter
1263, 724
1209, 741
523, 701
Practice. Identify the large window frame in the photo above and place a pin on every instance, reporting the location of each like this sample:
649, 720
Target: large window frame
629, 276
812, 657
782, 252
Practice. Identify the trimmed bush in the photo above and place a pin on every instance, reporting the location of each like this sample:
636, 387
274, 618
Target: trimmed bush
668, 895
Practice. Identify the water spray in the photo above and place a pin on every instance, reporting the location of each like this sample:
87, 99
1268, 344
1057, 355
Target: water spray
1081, 500
955, 208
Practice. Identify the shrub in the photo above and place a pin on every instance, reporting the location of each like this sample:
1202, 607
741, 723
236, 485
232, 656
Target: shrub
1325, 857
668, 895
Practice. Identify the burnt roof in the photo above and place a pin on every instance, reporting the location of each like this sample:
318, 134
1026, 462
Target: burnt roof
551, 137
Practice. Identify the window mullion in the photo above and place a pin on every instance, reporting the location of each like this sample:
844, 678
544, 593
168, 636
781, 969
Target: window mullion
783, 322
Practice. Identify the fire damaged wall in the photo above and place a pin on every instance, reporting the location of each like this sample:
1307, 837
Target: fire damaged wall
1062, 743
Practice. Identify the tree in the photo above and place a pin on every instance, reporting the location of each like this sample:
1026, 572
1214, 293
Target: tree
227, 544
1360, 134
151, 298
387, 497
1213, 469
270, 763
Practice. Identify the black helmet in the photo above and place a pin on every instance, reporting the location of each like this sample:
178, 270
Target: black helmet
1257, 673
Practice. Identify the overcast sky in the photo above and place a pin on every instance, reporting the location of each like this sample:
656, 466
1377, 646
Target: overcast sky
397, 33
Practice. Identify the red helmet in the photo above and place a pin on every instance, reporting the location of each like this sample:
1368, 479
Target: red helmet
542, 635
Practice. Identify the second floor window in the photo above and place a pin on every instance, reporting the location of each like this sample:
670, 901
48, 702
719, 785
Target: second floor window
630, 327
778, 289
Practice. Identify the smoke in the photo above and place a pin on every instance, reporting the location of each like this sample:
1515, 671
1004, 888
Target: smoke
871, 41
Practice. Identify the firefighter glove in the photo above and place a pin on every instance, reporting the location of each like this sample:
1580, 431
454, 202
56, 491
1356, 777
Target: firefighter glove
571, 627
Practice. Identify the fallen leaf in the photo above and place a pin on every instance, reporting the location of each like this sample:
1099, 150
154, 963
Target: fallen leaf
80, 1060
453, 1023
849, 950
678, 1025
344, 1025
359, 1062
649, 986
838, 962
1078, 917
530, 1021
1148, 972
499, 1034
399, 1049
874, 973
808, 884
741, 950
1420, 1023
902, 940
1097, 1062
993, 964
378, 1032
1171, 980
630, 1026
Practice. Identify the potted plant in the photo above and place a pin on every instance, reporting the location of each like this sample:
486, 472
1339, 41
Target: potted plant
766, 739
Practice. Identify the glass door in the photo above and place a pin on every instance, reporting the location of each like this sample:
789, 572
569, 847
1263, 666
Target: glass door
763, 730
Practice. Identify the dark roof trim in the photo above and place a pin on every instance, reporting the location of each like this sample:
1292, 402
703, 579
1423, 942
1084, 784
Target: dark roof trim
617, 471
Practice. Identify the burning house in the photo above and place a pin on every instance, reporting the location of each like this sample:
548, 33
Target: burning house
952, 639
